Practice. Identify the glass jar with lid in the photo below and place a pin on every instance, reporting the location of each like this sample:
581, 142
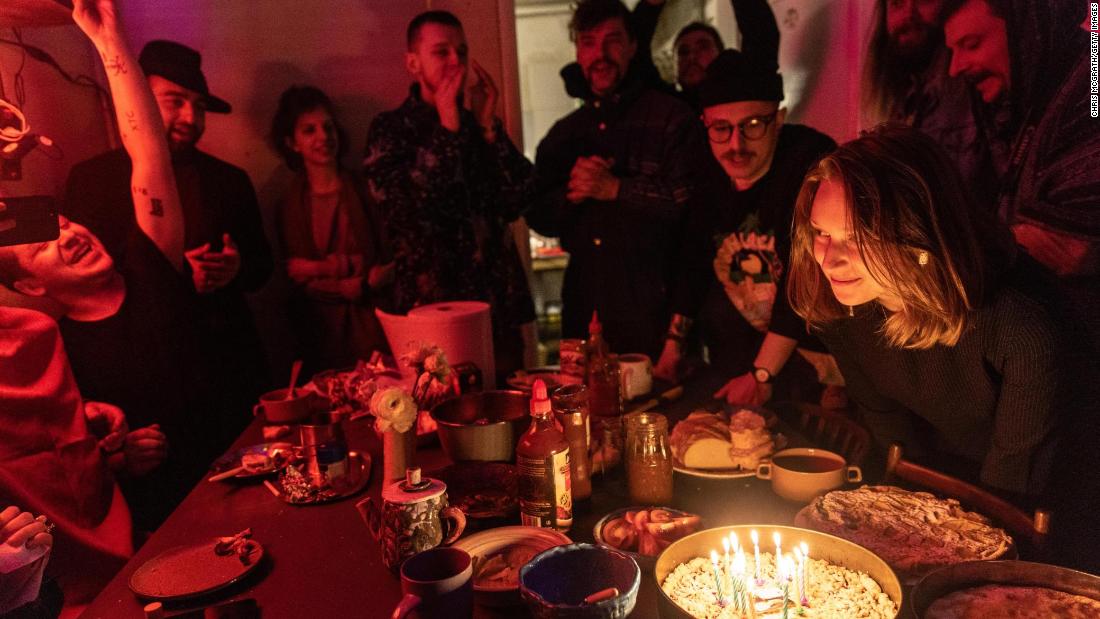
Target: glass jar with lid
648, 459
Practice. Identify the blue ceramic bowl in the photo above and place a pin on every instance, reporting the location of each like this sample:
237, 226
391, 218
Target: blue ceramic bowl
555, 583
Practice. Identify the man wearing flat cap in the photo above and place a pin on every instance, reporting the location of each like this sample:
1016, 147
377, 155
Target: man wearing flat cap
226, 251
737, 237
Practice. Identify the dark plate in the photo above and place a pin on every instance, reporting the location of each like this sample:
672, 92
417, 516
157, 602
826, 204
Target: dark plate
190, 571
482, 489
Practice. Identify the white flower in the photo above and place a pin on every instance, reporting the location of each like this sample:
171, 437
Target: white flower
393, 409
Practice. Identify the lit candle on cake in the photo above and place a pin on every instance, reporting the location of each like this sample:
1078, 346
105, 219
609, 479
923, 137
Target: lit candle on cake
729, 574
805, 572
756, 555
717, 583
778, 553
784, 576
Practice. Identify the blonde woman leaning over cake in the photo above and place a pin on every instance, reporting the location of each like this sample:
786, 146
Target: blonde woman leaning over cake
950, 338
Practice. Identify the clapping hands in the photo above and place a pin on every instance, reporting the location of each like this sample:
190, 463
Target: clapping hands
212, 270
591, 178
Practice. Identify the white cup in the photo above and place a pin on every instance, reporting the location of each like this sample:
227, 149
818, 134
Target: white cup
803, 473
636, 374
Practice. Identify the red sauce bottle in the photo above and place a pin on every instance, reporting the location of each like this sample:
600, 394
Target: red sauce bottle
542, 457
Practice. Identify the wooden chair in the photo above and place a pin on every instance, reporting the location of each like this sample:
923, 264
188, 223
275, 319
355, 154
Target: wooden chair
833, 430
1035, 528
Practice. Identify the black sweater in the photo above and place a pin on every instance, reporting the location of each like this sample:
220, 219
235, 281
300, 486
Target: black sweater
999, 398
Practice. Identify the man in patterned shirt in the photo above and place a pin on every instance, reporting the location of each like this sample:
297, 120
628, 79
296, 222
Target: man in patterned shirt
448, 181
613, 178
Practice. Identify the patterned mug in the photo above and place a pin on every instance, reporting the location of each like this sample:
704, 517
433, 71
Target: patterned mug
414, 517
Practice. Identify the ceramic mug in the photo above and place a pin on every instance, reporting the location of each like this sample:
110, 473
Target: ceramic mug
801, 474
277, 409
437, 583
414, 517
636, 372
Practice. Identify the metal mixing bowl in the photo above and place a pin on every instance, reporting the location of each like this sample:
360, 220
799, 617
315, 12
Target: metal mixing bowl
482, 426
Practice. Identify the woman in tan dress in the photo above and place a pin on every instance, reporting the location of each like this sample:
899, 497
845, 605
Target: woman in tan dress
331, 237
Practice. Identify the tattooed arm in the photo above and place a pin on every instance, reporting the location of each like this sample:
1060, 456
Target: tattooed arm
153, 184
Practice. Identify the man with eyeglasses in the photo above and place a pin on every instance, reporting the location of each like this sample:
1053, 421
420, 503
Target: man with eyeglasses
612, 179
735, 246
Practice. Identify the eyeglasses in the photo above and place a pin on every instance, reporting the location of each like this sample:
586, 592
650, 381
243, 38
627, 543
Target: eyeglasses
721, 131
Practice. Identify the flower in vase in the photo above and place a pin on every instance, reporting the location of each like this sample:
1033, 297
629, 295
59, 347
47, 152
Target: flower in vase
393, 409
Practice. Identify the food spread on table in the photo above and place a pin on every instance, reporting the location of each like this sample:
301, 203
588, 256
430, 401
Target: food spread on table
1026, 602
915, 532
714, 441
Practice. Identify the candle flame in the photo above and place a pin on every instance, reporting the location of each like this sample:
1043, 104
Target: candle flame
775, 536
726, 545
805, 549
755, 538
714, 557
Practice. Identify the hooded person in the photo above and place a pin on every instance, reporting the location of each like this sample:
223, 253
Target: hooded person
734, 250
1028, 62
50, 460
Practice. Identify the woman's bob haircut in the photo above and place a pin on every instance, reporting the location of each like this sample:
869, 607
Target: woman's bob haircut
905, 197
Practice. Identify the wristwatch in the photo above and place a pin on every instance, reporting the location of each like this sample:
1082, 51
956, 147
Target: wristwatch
762, 375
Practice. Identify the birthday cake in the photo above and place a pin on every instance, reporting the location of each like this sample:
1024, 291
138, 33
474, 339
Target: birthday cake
830, 591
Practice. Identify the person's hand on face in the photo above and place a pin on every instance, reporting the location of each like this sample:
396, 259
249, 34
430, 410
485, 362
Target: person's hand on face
108, 423
446, 96
19, 528
145, 449
212, 270
481, 97
591, 178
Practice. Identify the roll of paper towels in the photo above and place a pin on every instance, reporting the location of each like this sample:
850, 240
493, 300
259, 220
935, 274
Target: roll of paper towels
462, 329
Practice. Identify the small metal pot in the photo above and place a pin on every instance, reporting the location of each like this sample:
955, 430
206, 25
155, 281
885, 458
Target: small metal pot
482, 426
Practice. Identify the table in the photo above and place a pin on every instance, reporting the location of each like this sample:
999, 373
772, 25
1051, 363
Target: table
321, 561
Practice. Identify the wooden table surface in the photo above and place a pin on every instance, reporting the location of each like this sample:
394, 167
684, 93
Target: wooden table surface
321, 561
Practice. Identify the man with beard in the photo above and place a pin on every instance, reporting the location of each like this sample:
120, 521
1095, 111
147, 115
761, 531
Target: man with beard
905, 80
226, 251
613, 178
1028, 62
696, 46
731, 280
448, 182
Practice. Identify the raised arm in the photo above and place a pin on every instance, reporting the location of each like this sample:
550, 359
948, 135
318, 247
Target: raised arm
153, 185
759, 30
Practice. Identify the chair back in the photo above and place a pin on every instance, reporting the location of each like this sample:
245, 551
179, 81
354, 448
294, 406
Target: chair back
833, 430
1035, 528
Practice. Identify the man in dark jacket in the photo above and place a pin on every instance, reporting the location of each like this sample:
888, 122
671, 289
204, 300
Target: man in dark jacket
226, 250
448, 182
1028, 61
612, 181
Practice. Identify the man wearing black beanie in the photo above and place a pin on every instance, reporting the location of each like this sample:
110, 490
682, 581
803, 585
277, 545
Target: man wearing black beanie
737, 237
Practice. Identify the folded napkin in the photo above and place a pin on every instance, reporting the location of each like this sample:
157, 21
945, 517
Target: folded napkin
20, 575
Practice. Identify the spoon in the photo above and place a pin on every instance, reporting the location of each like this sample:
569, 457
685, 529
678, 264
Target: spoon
294, 371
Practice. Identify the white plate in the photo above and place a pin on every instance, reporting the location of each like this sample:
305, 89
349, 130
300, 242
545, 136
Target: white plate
737, 473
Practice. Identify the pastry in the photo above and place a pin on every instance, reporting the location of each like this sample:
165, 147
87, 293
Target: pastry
915, 532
